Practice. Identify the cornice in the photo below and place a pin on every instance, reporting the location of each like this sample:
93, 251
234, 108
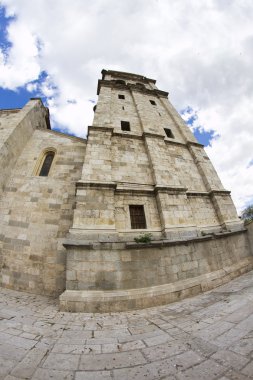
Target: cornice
98, 128
170, 189
131, 87
219, 192
126, 75
135, 188
127, 135
95, 184
151, 134
189, 143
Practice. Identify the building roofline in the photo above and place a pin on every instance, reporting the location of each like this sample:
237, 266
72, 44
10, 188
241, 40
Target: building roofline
124, 74
10, 109
62, 134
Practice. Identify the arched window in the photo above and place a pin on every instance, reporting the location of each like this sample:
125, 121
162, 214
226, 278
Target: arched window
44, 162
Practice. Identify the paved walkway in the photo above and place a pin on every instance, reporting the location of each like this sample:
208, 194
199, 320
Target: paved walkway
206, 337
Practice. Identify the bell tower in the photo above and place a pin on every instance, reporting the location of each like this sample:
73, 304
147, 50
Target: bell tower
142, 162
144, 172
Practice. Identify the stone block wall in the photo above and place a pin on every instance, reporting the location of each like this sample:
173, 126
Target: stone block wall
112, 277
249, 227
36, 214
110, 266
122, 216
203, 212
180, 158
16, 127
130, 162
95, 208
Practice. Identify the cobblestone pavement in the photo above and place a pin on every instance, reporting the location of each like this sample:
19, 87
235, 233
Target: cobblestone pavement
206, 337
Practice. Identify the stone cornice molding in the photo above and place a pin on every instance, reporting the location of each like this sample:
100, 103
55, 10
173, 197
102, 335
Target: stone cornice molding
151, 134
135, 188
167, 243
170, 189
126, 75
121, 245
92, 128
193, 193
190, 143
171, 141
127, 135
219, 192
207, 193
131, 87
95, 184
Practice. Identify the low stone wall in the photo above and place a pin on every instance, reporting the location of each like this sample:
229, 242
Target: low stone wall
116, 276
249, 227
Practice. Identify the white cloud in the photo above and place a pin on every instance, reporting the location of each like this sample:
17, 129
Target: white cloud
201, 51
21, 65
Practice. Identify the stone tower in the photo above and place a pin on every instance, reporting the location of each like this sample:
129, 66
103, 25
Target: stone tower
141, 153
71, 209
144, 172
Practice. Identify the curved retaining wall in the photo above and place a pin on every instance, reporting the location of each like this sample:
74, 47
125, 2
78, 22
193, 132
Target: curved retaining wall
108, 277
249, 227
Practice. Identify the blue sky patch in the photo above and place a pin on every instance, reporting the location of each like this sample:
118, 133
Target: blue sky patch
203, 136
190, 116
4, 22
14, 99
18, 98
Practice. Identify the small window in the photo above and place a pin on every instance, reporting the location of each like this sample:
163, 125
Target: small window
153, 102
169, 133
119, 81
121, 96
137, 217
125, 125
45, 168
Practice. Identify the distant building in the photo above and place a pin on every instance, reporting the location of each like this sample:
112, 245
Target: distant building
71, 208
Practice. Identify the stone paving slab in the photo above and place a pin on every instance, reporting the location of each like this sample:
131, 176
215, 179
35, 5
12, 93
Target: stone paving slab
207, 337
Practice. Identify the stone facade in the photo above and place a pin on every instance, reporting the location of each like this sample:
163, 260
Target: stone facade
72, 229
35, 212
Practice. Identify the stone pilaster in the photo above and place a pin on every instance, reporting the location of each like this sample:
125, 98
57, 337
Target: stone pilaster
221, 200
94, 216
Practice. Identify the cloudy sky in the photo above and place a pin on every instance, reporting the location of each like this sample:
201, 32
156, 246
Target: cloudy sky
201, 51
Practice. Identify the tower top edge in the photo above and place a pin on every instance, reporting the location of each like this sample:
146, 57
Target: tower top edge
124, 74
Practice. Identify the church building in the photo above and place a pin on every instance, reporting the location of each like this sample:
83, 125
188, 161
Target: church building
131, 217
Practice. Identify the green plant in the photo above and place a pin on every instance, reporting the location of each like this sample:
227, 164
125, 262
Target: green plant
144, 238
247, 214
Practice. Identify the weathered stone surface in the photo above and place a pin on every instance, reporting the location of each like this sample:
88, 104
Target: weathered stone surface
38, 342
72, 228
35, 218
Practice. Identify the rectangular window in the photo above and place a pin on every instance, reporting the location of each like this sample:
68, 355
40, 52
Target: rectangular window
137, 217
153, 102
121, 96
169, 133
125, 125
